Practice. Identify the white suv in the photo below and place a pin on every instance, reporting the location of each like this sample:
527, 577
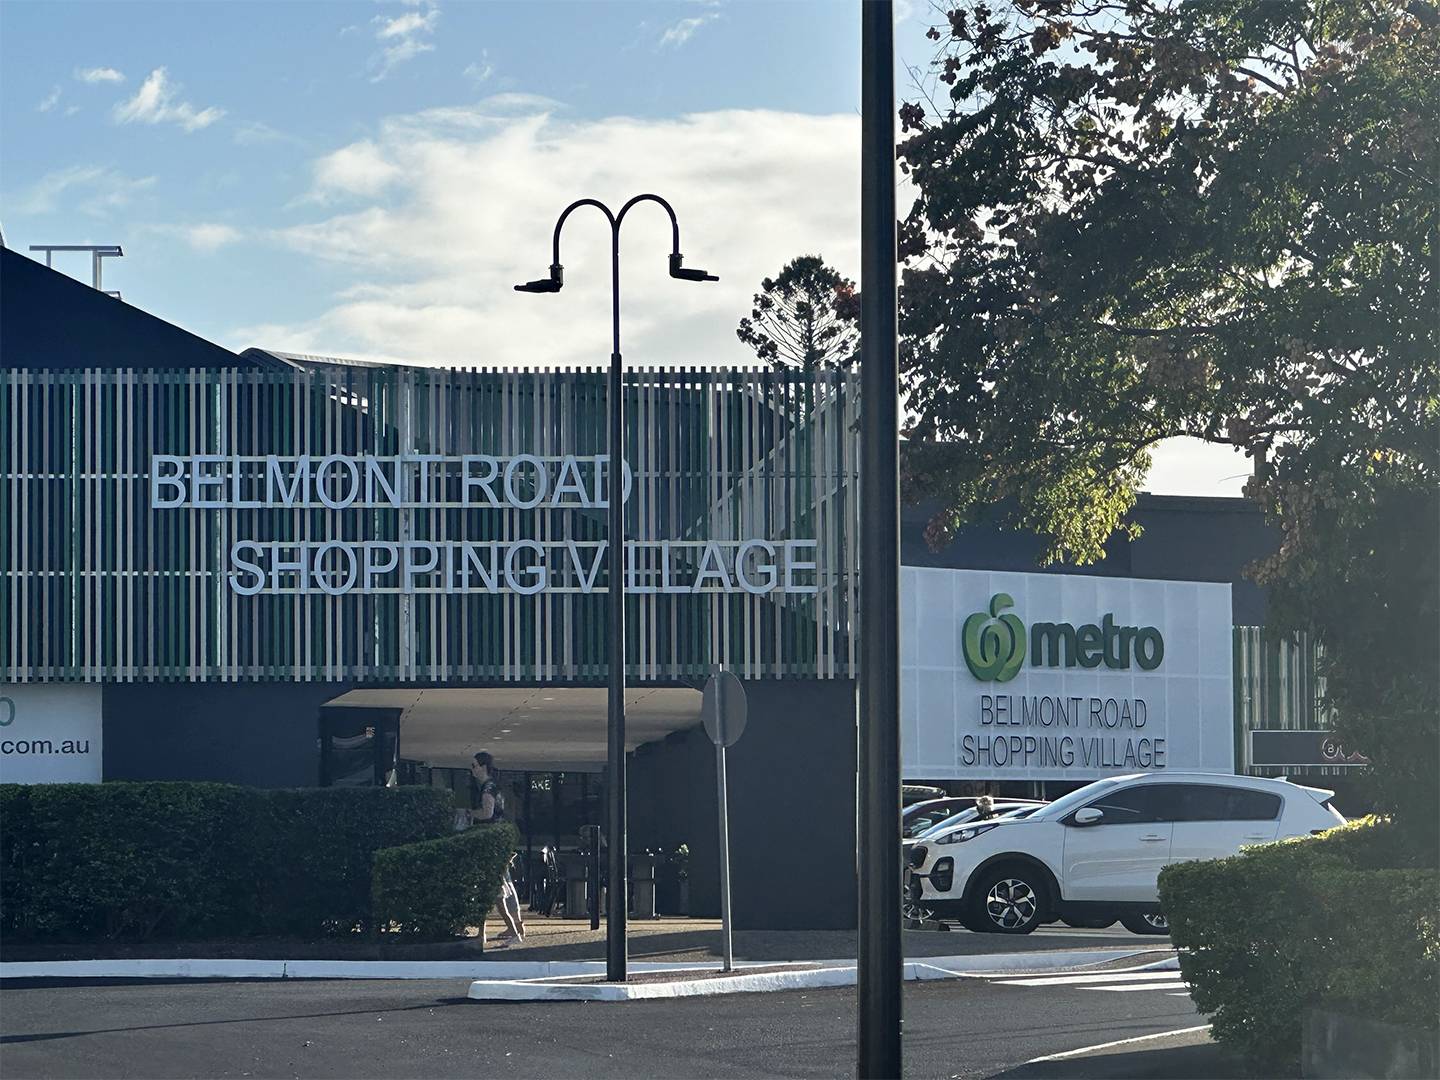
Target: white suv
1094, 855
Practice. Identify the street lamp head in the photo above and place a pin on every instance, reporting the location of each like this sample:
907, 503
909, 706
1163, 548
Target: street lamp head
551, 284
677, 270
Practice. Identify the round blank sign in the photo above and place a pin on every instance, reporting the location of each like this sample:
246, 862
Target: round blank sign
724, 729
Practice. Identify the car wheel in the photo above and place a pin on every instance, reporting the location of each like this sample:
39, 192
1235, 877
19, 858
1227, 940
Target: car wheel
1009, 900
1151, 922
1091, 922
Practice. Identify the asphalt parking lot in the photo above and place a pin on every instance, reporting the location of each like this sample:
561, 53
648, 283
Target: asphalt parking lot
967, 1028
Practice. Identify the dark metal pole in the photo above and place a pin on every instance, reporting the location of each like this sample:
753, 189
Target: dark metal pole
727, 949
593, 900
529, 845
615, 950
880, 957
617, 909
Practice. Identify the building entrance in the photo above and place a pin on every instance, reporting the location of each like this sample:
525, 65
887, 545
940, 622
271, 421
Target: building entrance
549, 744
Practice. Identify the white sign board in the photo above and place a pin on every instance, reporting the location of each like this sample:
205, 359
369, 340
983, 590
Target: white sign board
50, 733
1062, 677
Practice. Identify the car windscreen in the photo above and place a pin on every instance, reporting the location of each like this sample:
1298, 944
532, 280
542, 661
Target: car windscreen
953, 819
922, 816
1077, 798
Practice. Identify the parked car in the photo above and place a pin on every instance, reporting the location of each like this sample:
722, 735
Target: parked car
922, 816
1001, 808
917, 817
1095, 854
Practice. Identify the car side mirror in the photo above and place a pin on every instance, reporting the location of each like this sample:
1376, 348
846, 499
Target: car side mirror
1087, 815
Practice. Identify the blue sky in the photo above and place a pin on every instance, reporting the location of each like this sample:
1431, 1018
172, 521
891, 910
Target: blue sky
367, 179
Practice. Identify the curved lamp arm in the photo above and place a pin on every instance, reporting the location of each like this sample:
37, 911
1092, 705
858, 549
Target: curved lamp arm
674, 223
560, 224
677, 261
556, 279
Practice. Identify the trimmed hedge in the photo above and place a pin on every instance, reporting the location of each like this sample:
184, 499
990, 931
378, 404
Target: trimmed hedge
326, 839
437, 888
141, 861
1305, 923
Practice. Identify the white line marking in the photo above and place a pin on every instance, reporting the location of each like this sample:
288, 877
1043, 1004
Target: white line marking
1095, 977
1118, 1042
1133, 986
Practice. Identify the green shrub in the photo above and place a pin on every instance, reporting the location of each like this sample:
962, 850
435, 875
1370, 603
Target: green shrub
439, 887
1285, 927
138, 861
334, 833
126, 860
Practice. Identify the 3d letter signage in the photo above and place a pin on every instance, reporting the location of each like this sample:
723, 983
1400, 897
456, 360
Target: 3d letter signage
413, 484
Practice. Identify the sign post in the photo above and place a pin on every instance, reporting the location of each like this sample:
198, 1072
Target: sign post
724, 710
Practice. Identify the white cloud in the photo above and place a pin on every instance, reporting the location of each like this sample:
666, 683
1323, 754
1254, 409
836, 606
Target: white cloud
96, 189
679, 33
402, 38
480, 70
461, 204
358, 169
155, 103
49, 101
258, 133
99, 75
207, 237
203, 237
402, 26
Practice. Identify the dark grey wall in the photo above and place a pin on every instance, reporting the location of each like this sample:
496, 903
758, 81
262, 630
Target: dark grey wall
792, 807
49, 320
672, 802
261, 734
1184, 539
1205, 540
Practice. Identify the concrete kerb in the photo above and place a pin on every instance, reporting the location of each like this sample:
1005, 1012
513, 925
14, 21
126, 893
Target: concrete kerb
822, 974
319, 969
492, 971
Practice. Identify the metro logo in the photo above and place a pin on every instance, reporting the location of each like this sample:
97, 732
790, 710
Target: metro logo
995, 652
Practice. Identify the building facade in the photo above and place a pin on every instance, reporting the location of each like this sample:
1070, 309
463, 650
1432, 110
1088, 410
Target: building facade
282, 571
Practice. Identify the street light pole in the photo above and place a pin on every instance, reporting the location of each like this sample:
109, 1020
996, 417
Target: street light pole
880, 972
616, 824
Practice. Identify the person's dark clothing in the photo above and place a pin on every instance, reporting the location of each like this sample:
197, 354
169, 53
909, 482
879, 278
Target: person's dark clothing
489, 787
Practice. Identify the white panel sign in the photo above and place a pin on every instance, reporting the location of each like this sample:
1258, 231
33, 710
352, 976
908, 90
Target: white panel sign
50, 733
1062, 677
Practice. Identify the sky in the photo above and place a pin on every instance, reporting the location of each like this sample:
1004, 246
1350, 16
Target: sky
368, 179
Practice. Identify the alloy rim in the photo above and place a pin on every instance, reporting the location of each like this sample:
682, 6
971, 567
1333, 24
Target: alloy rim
1157, 922
1011, 903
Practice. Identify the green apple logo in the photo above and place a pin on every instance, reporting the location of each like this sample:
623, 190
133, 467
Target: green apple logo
996, 650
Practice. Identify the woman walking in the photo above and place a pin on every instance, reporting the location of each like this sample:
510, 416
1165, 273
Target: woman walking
490, 806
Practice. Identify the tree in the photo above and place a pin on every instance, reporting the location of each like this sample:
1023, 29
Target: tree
1143, 219
806, 317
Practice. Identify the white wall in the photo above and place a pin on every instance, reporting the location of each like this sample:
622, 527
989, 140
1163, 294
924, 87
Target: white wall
50, 733
1180, 713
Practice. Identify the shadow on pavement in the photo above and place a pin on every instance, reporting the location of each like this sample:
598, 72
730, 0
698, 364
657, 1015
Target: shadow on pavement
1203, 1061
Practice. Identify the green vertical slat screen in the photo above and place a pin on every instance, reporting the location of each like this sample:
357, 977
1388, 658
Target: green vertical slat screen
99, 586
1277, 688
